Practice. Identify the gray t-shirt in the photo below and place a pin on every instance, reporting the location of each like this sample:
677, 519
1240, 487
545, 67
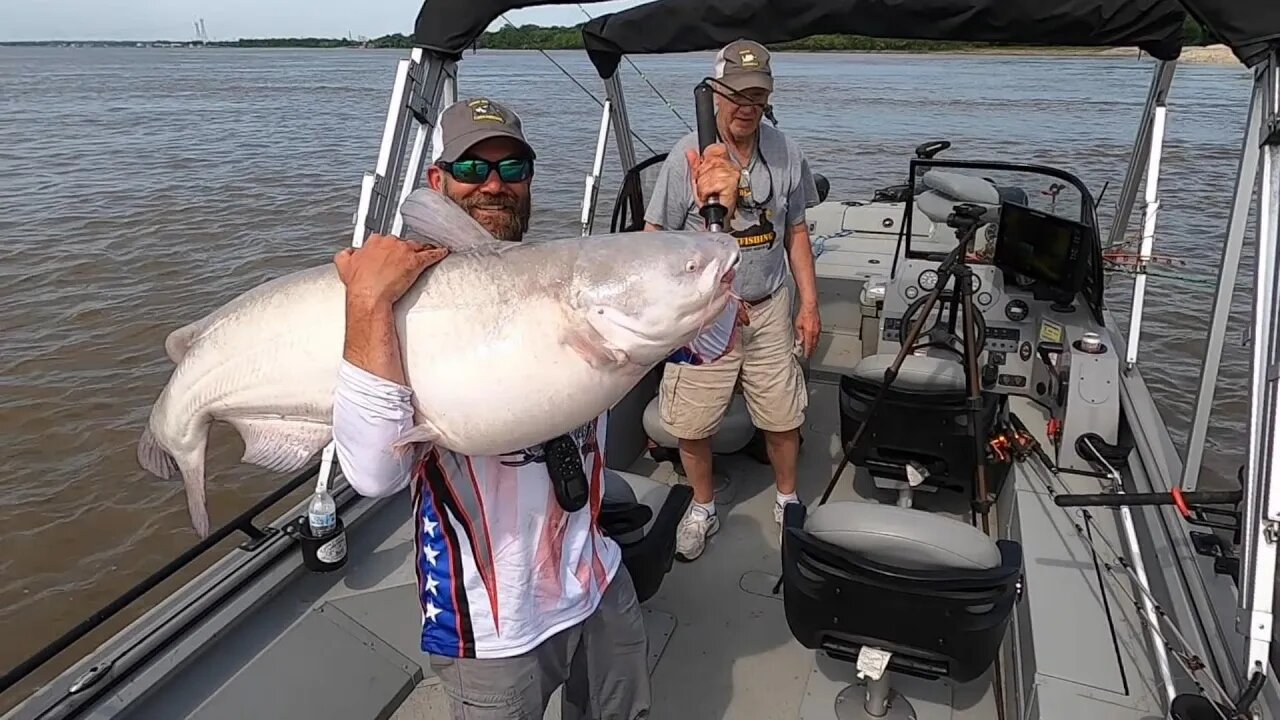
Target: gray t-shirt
781, 187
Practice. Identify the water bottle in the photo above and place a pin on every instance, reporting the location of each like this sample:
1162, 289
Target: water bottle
325, 549
322, 514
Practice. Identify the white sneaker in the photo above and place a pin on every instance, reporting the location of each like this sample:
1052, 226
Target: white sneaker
695, 528
778, 510
777, 516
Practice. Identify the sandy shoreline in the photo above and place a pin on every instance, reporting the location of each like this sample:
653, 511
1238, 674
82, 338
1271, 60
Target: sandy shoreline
1207, 54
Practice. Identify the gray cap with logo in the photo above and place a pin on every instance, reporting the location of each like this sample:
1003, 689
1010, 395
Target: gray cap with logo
743, 64
467, 122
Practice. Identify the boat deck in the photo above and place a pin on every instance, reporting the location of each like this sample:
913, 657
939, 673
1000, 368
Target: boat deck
288, 643
719, 642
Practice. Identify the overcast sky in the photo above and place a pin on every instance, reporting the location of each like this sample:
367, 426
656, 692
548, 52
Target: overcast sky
231, 19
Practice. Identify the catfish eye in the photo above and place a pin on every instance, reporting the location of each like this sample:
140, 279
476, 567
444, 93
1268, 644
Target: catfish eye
691, 266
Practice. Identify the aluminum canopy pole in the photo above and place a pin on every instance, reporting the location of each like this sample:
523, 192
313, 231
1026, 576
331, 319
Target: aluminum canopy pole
1161, 80
621, 124
592, 191
426, 125
1228, 268
415, 97
1153, 128
1261, 521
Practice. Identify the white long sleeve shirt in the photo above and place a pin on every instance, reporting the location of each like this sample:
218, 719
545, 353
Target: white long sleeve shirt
501, 567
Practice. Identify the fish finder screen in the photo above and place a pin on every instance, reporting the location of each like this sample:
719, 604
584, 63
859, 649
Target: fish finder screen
1040, 246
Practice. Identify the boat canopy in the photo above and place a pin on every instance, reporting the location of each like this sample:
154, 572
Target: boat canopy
690, 25
1251, 28
451, 26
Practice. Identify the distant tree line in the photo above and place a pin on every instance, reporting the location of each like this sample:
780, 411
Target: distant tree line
1193, 33
537, 37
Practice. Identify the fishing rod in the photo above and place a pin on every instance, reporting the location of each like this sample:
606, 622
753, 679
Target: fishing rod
705, 117
1022, 446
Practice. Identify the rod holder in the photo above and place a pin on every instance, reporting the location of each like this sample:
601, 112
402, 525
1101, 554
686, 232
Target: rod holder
325, 553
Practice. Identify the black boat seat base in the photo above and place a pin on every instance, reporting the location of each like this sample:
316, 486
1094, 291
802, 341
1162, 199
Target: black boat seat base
873, 701
921, 593
920, 428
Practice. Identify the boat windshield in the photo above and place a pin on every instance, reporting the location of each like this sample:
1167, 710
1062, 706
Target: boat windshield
1037, 224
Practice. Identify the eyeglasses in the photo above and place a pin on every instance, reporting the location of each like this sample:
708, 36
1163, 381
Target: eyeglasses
475, 171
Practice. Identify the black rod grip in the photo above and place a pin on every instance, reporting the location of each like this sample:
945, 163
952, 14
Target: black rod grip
1197, 497
704, 107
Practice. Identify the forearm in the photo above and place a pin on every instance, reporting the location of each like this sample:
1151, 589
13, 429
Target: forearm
369, 414
800, 254
371, 340
652, 227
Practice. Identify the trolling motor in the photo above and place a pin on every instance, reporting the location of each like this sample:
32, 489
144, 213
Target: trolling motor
712, 212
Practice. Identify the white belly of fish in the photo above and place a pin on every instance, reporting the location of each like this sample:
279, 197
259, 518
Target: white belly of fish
497, 380
486, 380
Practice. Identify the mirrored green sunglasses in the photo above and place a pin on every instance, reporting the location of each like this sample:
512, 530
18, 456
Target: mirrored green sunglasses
474, 171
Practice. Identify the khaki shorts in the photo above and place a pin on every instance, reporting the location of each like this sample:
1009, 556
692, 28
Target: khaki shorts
692, 399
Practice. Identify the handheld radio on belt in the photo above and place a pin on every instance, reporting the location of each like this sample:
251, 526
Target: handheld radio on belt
568, 478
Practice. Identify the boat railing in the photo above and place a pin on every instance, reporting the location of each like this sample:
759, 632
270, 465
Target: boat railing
245, 523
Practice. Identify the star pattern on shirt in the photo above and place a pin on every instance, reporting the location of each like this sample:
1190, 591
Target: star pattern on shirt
429, 529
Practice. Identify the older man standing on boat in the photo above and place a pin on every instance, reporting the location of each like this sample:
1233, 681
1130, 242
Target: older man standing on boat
767, 216
519, 592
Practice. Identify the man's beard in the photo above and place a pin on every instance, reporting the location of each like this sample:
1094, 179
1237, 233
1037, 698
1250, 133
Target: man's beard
508, 225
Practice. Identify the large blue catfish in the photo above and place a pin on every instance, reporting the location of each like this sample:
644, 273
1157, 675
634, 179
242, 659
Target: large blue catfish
505, 345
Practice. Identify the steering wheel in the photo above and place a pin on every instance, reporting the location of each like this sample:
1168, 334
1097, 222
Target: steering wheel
937, 335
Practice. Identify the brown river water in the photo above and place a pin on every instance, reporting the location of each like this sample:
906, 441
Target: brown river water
141, 188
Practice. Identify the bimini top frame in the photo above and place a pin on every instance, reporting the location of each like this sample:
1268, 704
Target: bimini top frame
427, 80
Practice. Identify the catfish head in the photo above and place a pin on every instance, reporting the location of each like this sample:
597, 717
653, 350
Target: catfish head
646, 294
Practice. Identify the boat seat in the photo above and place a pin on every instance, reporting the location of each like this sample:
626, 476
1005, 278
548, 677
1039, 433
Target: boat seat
920, 425
641, 515
948, 189
933, 592
917, 373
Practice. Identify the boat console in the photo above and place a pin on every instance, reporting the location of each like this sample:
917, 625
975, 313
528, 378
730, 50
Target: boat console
1038, 331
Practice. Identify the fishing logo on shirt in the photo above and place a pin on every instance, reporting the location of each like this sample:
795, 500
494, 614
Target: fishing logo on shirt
760, 235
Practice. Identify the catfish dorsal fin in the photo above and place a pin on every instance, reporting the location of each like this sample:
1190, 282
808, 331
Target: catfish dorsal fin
179, 341
431, 217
